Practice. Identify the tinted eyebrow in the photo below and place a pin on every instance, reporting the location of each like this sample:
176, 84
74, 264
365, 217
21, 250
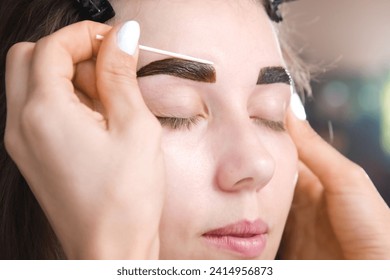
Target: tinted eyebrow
180, 68
273, 75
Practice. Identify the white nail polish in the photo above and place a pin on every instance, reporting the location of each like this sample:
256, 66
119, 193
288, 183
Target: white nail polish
297, 107
128, 37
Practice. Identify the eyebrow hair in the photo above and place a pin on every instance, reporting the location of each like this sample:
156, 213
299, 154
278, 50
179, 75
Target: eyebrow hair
274, 75
180, 68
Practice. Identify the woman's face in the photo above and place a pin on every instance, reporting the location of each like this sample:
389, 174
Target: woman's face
231, 166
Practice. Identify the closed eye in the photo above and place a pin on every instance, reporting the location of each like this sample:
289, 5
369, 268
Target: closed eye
277, 126
188, 123
179, 123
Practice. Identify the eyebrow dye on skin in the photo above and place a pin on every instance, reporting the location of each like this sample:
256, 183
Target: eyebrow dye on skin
273, 75
180, 68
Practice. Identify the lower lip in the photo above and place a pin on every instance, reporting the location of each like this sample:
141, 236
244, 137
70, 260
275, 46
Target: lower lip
249, 247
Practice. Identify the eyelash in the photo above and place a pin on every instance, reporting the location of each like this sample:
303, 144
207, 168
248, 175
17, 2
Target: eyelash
277, 126
188, 123
179, 123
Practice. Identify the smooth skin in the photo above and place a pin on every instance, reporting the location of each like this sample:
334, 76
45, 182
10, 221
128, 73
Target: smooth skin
120, 202
230, 166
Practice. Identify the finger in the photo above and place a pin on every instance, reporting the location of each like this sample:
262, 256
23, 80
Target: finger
55, 57
336, 172
309, 187
116, 75
16, 76
84, 82
85, 78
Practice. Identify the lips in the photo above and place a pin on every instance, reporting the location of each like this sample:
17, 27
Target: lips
245, 238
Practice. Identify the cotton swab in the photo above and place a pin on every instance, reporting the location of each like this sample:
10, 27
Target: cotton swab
168, 53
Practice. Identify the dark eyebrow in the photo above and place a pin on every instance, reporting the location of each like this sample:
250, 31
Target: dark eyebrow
273, 75
180, 68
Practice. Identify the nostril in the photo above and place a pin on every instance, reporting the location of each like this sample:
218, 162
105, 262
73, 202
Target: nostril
245, 181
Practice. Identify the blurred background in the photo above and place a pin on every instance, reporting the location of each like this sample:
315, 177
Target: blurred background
349, 41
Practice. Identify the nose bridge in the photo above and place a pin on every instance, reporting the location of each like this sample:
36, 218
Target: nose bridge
244, 161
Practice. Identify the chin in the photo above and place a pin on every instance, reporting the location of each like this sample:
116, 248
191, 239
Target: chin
206, 251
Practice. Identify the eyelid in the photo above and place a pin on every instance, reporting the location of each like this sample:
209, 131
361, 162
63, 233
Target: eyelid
187, 123
278, 126
179, 123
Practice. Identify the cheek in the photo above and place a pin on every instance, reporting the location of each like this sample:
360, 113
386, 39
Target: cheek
187, 173
286, 165
275, 200
191, 199
282, 185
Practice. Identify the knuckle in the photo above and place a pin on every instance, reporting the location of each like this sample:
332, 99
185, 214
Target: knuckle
117, 84
116, 79
33, 115
356, 172
17, 51
120, 69
44, 44
92, 26
87, 24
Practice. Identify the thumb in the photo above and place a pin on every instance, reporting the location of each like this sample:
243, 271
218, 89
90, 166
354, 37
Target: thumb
116, 75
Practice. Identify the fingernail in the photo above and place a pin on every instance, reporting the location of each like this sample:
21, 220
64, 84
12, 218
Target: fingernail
297, 107
128, 37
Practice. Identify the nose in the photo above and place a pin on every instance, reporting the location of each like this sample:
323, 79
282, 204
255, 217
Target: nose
243, 160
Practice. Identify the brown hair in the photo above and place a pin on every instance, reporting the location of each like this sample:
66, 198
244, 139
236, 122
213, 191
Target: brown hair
25, 232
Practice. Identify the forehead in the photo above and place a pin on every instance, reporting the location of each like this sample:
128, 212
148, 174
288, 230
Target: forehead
231, 33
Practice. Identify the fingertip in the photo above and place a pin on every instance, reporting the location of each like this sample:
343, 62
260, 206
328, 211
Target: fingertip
17, 69
18, 52
116, 75
296, 115
297, 107
120, 47
303, 135
128, 37
297, 126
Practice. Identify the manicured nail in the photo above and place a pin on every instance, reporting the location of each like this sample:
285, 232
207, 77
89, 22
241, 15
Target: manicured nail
297, 107
128, 37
